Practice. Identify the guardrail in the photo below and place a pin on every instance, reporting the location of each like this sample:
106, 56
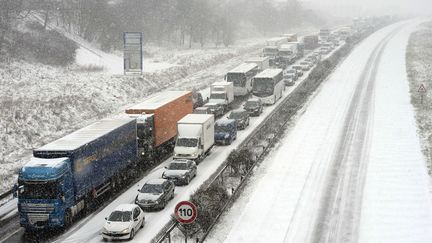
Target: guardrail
5, 194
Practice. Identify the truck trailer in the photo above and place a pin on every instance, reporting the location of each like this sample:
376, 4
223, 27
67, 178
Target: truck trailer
157, 119
262, 62
195, 137
68, 175
310, 42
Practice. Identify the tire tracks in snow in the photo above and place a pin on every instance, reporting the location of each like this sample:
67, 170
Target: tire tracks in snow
339, 215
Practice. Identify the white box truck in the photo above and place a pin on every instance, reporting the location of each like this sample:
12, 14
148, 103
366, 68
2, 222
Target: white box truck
262, 62
222, 93
195, 137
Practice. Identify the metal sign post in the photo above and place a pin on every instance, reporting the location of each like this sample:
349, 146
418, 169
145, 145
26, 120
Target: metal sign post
133, 60
422, 91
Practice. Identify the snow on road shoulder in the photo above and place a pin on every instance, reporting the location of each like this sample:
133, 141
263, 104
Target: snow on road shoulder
283, 204
396, 205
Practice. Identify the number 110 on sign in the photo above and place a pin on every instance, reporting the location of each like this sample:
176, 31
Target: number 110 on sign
185, 212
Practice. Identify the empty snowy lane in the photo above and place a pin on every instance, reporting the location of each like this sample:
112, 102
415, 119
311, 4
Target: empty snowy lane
351, 169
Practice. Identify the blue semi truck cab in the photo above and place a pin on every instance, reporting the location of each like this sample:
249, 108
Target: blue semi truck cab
68, 175
45, 189
225, 131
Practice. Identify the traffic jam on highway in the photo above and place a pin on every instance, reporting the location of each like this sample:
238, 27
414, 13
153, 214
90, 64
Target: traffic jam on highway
179, 137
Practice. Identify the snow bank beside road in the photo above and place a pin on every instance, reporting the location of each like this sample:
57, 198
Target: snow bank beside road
40, 103
396, 204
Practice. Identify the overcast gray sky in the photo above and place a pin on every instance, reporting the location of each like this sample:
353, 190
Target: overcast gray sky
423, 7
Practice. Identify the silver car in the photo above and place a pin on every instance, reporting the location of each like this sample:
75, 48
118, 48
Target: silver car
155, 194
180, 171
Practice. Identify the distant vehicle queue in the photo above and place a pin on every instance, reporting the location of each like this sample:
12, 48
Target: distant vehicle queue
66, 177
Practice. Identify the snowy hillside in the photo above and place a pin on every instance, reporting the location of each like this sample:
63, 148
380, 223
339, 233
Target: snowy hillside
40, 103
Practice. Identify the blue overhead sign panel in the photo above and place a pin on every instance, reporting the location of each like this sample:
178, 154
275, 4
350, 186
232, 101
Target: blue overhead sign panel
133, 61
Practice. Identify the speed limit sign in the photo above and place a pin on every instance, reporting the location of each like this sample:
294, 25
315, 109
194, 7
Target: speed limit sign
185, 212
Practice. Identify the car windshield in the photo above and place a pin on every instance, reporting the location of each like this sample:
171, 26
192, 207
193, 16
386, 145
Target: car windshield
152, 188
270, 51
285, 53
120, 216
236, 115
177, 166
251, 104
187, 142
221, 128
238, 79
263, 87
218, 96
39, 190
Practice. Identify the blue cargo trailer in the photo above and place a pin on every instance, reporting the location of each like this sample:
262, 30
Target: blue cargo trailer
66, 176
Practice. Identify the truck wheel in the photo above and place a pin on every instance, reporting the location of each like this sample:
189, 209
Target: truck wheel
67, 218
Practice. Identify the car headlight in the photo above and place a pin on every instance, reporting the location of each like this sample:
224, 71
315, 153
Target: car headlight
183, 176
104, 229
125, 230
226, 135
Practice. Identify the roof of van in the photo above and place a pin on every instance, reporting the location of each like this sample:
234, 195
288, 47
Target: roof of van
159, 100
269, 73
257, 59
196, 118
244, 67
85, 135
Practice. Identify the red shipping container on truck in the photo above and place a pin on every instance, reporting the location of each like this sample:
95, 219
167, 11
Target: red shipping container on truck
168, 107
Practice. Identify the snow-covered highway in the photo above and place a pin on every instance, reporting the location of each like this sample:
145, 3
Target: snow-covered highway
351, 169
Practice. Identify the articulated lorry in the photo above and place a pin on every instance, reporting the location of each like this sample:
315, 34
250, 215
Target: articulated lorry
157, 119
67, 176
195, 137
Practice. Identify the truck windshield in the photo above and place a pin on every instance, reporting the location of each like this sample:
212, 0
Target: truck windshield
263, 87
218, 96
187, 142
120, 216
39, 190
238, 79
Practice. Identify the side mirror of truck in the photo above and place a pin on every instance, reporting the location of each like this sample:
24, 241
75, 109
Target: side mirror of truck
15, 190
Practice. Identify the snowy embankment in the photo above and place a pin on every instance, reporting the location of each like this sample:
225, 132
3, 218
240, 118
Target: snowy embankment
419, 62
40, 103
351, 168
